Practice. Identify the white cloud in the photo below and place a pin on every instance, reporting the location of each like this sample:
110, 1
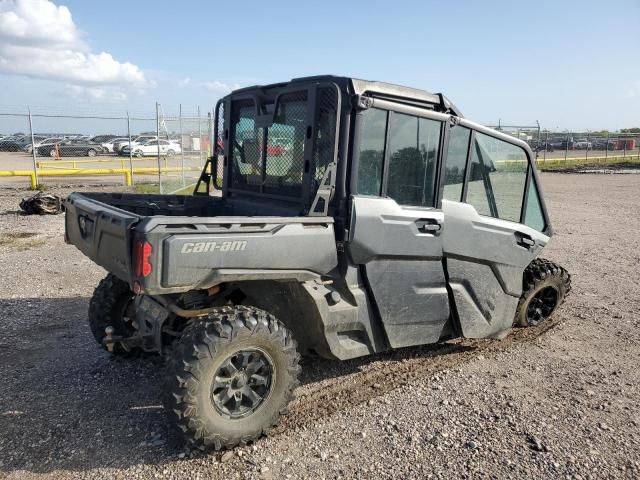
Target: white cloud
220, 87
184, 82
39, 39
104, 94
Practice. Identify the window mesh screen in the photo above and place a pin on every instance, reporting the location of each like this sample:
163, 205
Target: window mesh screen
326, 120
218, 147
285, 146
246, 154
272, 160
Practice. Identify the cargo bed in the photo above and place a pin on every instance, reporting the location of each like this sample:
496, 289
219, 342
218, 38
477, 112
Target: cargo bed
196, 241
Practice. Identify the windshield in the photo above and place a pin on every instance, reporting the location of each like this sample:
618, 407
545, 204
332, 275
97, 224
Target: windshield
271, 160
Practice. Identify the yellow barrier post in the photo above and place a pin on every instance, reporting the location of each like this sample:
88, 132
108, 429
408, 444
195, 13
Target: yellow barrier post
90, 171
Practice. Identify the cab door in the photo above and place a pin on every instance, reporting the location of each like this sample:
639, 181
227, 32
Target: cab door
496, 225
395, 233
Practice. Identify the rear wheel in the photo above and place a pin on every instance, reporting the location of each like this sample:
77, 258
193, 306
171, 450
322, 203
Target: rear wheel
91, 152
170, 153
231, 376
52, 152
545, 286
112, 306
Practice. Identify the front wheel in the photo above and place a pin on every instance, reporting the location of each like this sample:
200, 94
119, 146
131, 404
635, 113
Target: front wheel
230, 377
137, 153
170, 153
91, 152
545, 286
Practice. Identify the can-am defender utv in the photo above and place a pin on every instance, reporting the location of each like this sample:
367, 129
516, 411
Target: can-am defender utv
355, 217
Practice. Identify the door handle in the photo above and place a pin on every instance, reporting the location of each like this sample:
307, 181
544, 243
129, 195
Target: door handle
428, 225
524, 240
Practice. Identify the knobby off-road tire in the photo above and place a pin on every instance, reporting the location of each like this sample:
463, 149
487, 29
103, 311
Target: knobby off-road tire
206, 356
545, 286
107, 308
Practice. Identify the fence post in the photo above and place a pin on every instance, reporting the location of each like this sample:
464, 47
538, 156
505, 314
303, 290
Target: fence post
209, 135
566, 148
624, 151
158, 145
34, 182
586, 155
181, 145
130, 179
606, 152
199, 137
546, 143
538, 142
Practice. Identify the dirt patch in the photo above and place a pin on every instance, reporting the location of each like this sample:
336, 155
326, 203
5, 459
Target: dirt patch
20, 241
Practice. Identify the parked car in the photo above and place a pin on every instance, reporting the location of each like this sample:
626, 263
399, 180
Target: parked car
103, 138
71, 148
541, 145
13, 143
139, 140
109, 145
561, 143
150, 148
604, 144
583, 144
43, 142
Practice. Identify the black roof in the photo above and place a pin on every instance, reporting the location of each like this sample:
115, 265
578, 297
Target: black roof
383, 90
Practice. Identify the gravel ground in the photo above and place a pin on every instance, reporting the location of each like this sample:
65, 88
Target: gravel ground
556, 401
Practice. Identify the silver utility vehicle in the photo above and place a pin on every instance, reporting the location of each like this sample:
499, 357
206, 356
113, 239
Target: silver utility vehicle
355, 217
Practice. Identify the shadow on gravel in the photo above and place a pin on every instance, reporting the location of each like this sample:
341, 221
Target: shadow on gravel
67, 405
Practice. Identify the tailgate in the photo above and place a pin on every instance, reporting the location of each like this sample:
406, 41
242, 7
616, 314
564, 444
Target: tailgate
101, 232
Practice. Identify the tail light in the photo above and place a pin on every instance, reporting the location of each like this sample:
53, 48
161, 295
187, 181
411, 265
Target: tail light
142, 252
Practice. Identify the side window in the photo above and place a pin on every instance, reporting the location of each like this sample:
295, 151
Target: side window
455, 163
371, 151
497, 177
413, 156
533, 214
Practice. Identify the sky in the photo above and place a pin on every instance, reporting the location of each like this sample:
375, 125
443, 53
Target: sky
567, 64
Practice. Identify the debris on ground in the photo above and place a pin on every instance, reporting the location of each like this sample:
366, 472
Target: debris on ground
42, 204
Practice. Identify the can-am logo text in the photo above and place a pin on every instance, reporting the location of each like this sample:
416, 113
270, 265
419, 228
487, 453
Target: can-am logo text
202, 247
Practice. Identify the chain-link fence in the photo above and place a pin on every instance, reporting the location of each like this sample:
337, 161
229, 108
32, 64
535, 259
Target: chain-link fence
151, 152
571, 148
164, 150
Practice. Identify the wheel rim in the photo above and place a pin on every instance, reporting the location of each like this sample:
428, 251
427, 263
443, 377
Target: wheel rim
242, 383
542, 305
91, 153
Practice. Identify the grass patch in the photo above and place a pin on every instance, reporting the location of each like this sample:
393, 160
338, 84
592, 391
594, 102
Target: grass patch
175, 188
595, 162
146, 188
